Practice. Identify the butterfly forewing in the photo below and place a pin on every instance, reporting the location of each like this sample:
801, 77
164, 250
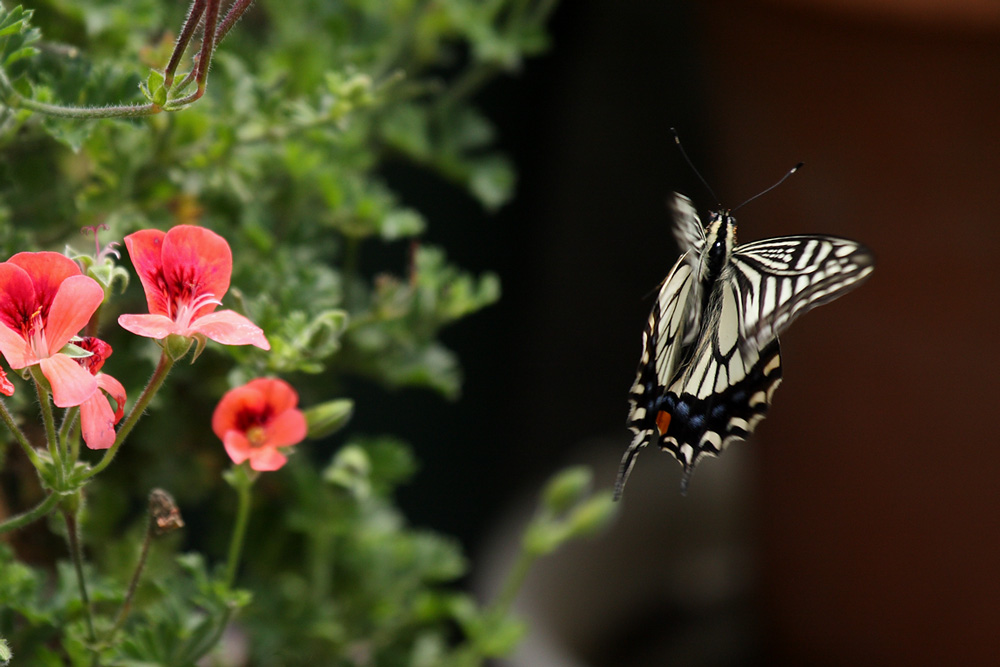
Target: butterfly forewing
688, 230
782, 278
710, 358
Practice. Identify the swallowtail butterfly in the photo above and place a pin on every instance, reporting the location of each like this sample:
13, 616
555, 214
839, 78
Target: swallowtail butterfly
710, 360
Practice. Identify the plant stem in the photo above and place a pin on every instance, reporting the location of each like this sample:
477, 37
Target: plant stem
37, 512
155, 382
134, 583
467, 84
22, 440
66, 430
201, 648
243, 485
232, 16
84, 113
50, 429
207, 46
180, 46
515, 579
77, 555
13, 99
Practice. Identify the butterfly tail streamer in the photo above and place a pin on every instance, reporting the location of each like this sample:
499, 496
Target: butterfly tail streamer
638, 442
686, 478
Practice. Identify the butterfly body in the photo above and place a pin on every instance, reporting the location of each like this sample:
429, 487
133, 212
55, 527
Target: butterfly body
710, 354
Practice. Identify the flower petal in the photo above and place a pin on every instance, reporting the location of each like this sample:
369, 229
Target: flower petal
97, 422
144, 249
278, 393
233, 404
151, 326
237, 446
115, 390
17, 296
15, 349
74, 304
47, 270
71, 383
99, 353
267, 458
287, 428
229, 328
199, 260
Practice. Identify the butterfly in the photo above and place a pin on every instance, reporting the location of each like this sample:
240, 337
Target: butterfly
710, 356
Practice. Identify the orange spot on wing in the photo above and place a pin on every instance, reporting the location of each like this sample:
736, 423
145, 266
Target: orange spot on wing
662, 421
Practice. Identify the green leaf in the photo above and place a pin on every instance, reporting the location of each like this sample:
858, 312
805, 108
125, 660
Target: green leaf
351, 470
20, 54
154, 90
14, 21
492, 182
401, 223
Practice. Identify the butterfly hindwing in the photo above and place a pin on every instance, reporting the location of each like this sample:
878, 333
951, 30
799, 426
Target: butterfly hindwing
705, 426
661, 351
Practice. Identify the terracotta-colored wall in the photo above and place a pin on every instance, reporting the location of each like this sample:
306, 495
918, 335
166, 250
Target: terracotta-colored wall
880, 464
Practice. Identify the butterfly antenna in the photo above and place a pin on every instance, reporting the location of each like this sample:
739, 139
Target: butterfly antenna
680, 147
764, 192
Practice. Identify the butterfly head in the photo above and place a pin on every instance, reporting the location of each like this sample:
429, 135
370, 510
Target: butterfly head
720, 240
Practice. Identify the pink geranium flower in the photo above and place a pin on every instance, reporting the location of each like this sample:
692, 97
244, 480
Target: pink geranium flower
97, 419
255, 420
44, 302
185, 272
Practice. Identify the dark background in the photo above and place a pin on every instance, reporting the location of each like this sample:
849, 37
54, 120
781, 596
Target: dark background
865, 517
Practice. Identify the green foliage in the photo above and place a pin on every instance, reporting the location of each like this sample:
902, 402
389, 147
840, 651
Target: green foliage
308, 101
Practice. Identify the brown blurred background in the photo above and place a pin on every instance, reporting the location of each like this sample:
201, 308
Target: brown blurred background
863, 524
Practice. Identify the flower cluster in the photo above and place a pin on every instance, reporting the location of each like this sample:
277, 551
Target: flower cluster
46, 301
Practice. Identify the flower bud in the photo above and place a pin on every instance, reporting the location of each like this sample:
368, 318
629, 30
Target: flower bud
163, 510
593, 516
329, 417
566, 489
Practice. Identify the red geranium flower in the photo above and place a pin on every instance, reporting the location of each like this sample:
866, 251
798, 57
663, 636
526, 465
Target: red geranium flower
6, 386
44, 302
97, 419
254, 420
185, 272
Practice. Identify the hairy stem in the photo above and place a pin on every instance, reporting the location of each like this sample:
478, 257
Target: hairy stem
76, 552
133, 584
50, 428
180, 46
35, 513
232, 16
155, 382
22, 439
